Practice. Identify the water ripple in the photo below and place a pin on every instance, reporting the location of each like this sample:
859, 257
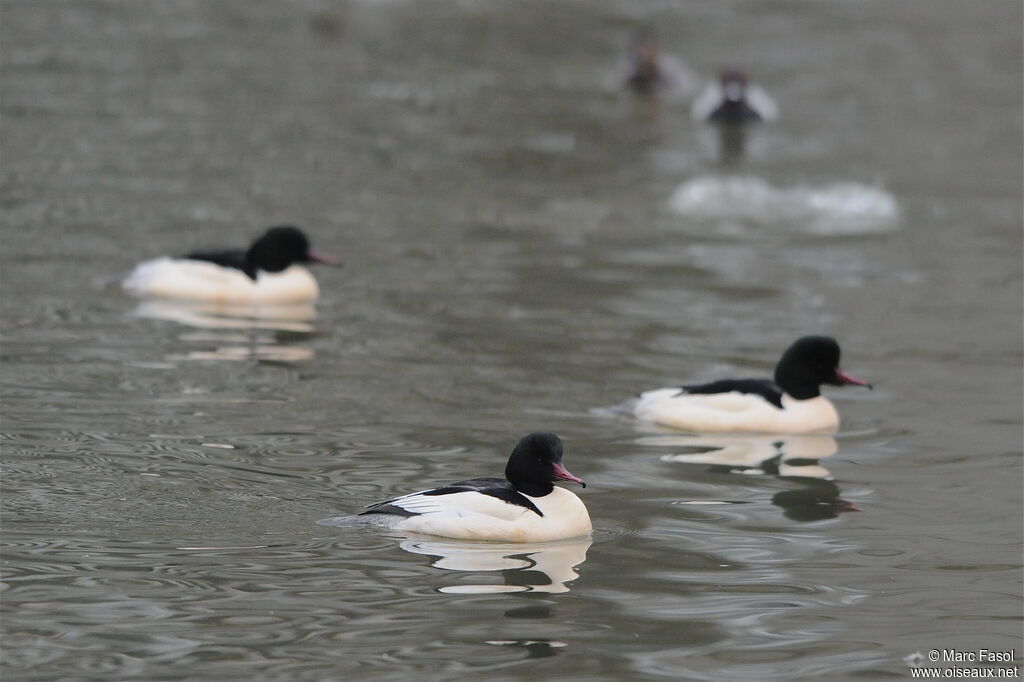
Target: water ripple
845, 208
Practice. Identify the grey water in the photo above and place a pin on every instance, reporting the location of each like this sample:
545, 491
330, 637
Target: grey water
525, 245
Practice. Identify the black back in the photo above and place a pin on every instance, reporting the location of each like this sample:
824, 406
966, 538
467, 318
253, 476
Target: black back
766, 388
499, 488
734, 112
230, 258
276, 250
530, 471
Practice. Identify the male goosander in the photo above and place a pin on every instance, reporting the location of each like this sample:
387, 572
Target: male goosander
522, 507
266, 272
792, 403
734, 100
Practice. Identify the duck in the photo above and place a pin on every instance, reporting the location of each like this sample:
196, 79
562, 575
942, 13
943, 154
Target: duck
647, 70
791, 402
733, 100
524, 506
269, 271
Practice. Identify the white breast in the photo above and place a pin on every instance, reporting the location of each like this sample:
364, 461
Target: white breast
735, 412
184, 279
474, 516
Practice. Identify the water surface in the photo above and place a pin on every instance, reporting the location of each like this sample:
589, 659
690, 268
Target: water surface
525, 245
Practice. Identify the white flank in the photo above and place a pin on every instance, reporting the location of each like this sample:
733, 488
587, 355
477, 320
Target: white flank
474, 516
185, 279
735, 413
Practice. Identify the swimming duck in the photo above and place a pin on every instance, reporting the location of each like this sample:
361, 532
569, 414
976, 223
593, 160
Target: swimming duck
733, 100
791, 403
523, 506
647, 70
267, 272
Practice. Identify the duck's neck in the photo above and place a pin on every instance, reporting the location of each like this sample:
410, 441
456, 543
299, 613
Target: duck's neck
797, 382
802, 391
533, 488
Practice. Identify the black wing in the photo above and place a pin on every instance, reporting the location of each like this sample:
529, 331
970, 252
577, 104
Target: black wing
229, 258
387, 508
734, 112
471, 484
766, 388
493, 487
499, 488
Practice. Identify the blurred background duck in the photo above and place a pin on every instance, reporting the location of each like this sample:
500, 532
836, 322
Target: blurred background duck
647, 70
269, 271
733, 100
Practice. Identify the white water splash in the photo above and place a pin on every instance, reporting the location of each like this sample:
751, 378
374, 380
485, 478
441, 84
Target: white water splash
843, 208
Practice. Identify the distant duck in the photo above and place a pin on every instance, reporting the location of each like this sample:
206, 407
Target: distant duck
268, 272
646, 70
522, 507
645, 73
733, 100
791, 403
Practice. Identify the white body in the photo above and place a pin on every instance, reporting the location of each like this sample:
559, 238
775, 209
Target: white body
194, 280
735, 412
475, 516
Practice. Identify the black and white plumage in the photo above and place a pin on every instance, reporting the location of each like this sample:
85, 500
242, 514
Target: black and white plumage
524, 506
766, 388
734, 100
791, 402
268, 271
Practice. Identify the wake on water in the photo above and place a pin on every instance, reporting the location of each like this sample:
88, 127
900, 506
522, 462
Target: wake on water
838, 209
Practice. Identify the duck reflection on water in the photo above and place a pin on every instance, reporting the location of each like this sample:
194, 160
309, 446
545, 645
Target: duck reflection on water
293, 317
535, 648
775, 454
238, 331
541, 567
795, 458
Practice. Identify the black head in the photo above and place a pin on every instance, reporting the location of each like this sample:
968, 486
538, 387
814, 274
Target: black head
810, 362
280, 247
535, 463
